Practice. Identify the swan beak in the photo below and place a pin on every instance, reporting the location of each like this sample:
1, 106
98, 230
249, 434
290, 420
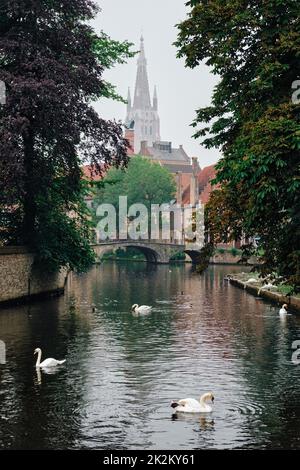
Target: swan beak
212, 399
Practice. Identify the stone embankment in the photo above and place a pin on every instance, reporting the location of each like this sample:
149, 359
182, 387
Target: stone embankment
21, 281
271, 294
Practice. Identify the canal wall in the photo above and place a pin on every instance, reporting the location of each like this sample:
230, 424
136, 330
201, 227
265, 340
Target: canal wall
273, 297
224, 258
21, 281
229, 258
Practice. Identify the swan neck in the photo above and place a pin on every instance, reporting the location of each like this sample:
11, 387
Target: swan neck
39, 358
203, 399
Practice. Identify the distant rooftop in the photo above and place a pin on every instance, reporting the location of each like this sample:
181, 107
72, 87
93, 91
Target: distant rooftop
174, 168
163, 150
90, 172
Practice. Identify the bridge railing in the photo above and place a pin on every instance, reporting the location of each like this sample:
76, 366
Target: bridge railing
141, 241
191, 246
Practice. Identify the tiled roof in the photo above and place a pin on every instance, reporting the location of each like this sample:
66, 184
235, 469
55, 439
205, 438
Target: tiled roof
205, 194
176, 168
208, 173
91, 173
205, 176
165, 151
175, 154
205, 188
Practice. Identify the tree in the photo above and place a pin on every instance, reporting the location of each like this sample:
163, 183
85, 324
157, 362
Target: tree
143, 182
254, 47
52, 63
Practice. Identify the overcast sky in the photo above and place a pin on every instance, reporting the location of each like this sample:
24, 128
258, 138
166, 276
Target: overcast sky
180, 91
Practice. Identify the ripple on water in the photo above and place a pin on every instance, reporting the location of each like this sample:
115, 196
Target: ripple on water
252, 409
123, 371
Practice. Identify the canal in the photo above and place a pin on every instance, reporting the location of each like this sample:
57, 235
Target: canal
122, 371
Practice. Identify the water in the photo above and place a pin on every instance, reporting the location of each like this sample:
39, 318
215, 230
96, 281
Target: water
122, 371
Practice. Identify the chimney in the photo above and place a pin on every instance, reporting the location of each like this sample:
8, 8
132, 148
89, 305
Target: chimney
194, 185
195, 165
144, 148
179, 187
129, 135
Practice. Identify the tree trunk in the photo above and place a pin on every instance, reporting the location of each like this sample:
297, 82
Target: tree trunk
29, 202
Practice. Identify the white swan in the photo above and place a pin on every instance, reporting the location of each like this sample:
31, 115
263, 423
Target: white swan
47, 362
283, 310
268, 286
252, 280
190, 405
141, 309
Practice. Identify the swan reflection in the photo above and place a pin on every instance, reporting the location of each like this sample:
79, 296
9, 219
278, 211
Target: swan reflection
204, 422
46, 371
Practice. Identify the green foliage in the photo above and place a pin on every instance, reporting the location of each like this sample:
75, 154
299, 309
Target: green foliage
286, 290
204, 257
126, 254
254, 47
110, 53
65, 232
143, 182
178, 257
52, 63
234, 251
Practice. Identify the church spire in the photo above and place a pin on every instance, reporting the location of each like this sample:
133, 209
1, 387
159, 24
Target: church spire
128, 100
142, 56
142, 93
142, 118
155, 99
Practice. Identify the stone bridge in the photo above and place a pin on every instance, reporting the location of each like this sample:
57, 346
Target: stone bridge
156, 252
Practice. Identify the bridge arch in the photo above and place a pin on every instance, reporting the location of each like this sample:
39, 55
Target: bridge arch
150, 254
194, 255
100, 252
154, 252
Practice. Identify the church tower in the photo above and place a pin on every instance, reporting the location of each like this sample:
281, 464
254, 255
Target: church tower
142, 115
